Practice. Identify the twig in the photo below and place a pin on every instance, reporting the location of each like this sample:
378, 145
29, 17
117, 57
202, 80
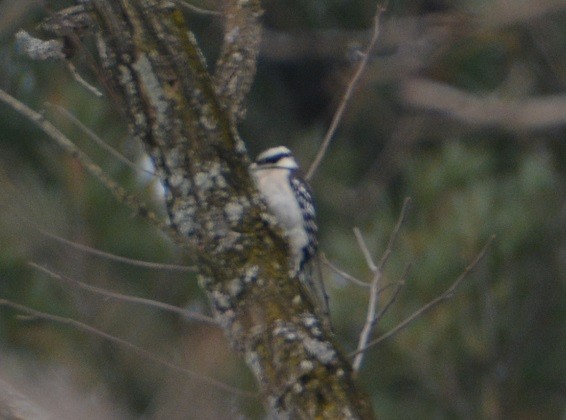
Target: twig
342, 273
371, 316
393, 298
114, 257
125, 298
142, 352
351, 278
196, 9
365, 250
79, 79
370, 319
448, 294
347, 94
395, 233
390, 302
95, 138
37, 49
119, 192
94, 251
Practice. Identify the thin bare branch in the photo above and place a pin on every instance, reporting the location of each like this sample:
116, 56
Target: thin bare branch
195, 9
95, 138
117, 258
347, 94
81, 81
448, 294
390, 302
125, 298
53, 49
372, 315
342, 273
395, 233
119, 192
370, 320
363, 247
399, 286
91, 250
126, 344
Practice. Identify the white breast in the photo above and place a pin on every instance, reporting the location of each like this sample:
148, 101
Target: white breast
275, 188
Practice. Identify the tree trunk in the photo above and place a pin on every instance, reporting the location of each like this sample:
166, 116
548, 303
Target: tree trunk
186, 120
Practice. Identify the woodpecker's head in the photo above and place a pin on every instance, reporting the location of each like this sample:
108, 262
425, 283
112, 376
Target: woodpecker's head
275, 158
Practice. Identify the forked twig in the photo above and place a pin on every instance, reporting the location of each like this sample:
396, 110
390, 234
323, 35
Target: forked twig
347, 94
372, 315
130, 346
448, 294
125, 298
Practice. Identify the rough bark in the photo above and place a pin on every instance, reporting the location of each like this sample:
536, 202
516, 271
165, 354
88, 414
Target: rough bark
186, 120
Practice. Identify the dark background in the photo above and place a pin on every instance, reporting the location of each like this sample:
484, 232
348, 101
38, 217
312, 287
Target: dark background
495, 351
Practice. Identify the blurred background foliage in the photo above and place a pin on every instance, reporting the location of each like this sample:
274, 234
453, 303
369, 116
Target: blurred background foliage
495, 351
